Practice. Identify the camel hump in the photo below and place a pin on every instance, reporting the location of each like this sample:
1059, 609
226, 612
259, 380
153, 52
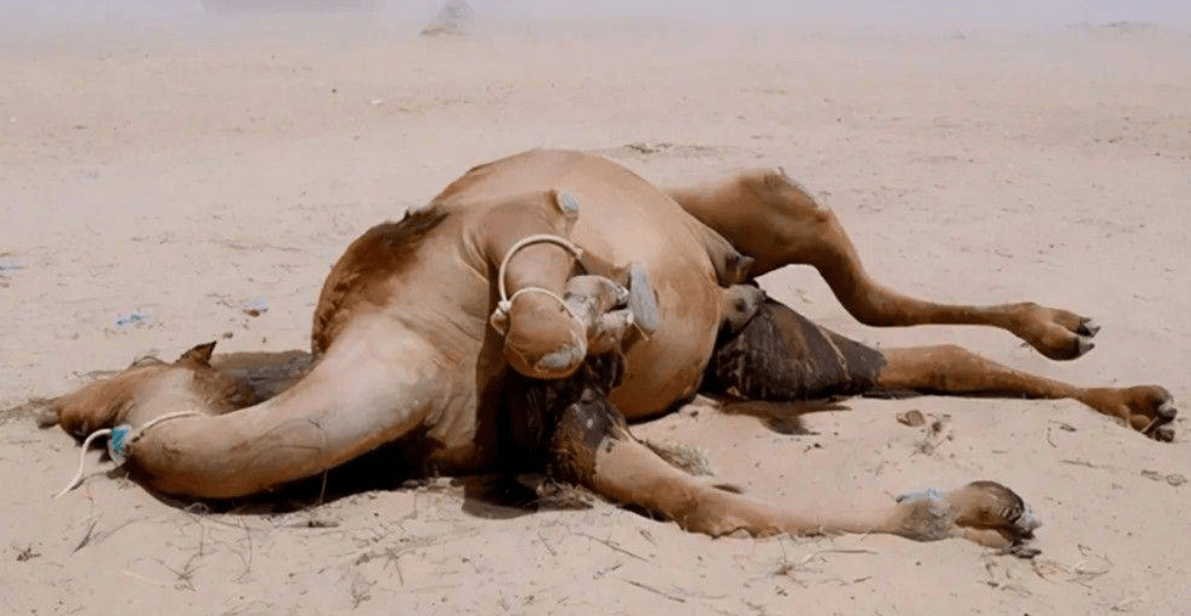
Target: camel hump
382, 252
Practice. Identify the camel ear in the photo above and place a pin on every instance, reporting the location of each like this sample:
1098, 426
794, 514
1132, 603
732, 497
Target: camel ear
200, 355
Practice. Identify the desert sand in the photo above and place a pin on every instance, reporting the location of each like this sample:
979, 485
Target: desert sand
182, 174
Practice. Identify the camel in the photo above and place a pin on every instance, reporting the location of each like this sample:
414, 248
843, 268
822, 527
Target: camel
541, 302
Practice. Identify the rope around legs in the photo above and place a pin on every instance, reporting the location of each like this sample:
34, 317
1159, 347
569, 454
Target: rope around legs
121, 435
78, 476
499, 318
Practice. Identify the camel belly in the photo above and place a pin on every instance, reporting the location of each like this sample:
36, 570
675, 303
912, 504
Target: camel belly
630, 221
668, 368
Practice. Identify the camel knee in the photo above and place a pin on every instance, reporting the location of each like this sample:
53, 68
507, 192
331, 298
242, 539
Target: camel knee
741, 302
591, 446
580, 431
982, 511
731, 266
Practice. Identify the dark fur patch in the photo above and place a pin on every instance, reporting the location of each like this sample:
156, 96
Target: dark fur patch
534, 410
780, 355
580, 431
383, 250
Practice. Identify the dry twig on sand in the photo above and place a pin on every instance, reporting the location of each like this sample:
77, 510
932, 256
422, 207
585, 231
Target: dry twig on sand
655, 591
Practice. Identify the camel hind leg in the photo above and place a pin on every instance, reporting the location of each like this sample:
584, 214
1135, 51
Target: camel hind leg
780, 355
950, 369
770, 218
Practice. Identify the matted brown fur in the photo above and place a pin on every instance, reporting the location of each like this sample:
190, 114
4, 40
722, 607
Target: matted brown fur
383, 250
533, 408
782, 356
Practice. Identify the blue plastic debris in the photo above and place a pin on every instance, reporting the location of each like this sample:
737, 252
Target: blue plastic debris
130, 319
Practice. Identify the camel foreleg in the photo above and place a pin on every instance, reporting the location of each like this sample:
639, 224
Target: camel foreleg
592, 446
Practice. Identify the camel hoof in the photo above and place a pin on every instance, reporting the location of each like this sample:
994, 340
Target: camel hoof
1148, 409
991, 504
1088, 327
985, 512
1060, 335
566, 203
1159, 427
643, 300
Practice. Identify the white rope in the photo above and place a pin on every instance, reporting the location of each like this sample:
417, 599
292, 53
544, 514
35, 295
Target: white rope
506, 301
78, 476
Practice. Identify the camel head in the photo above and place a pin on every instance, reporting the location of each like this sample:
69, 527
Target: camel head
188, 381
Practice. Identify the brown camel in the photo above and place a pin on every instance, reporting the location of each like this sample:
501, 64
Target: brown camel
517, 321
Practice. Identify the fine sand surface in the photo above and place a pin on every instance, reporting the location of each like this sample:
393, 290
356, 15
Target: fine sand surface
184, 175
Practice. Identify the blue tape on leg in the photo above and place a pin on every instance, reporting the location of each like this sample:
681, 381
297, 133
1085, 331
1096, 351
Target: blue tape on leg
118, 443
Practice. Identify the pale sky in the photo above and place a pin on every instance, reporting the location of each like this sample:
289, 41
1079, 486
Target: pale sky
1172, 12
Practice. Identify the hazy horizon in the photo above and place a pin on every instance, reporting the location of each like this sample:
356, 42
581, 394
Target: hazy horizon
48, 13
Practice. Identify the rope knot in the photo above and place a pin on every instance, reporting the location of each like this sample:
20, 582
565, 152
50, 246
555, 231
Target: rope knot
500, 317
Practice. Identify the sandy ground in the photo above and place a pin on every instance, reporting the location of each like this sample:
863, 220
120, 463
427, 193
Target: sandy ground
183, 177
